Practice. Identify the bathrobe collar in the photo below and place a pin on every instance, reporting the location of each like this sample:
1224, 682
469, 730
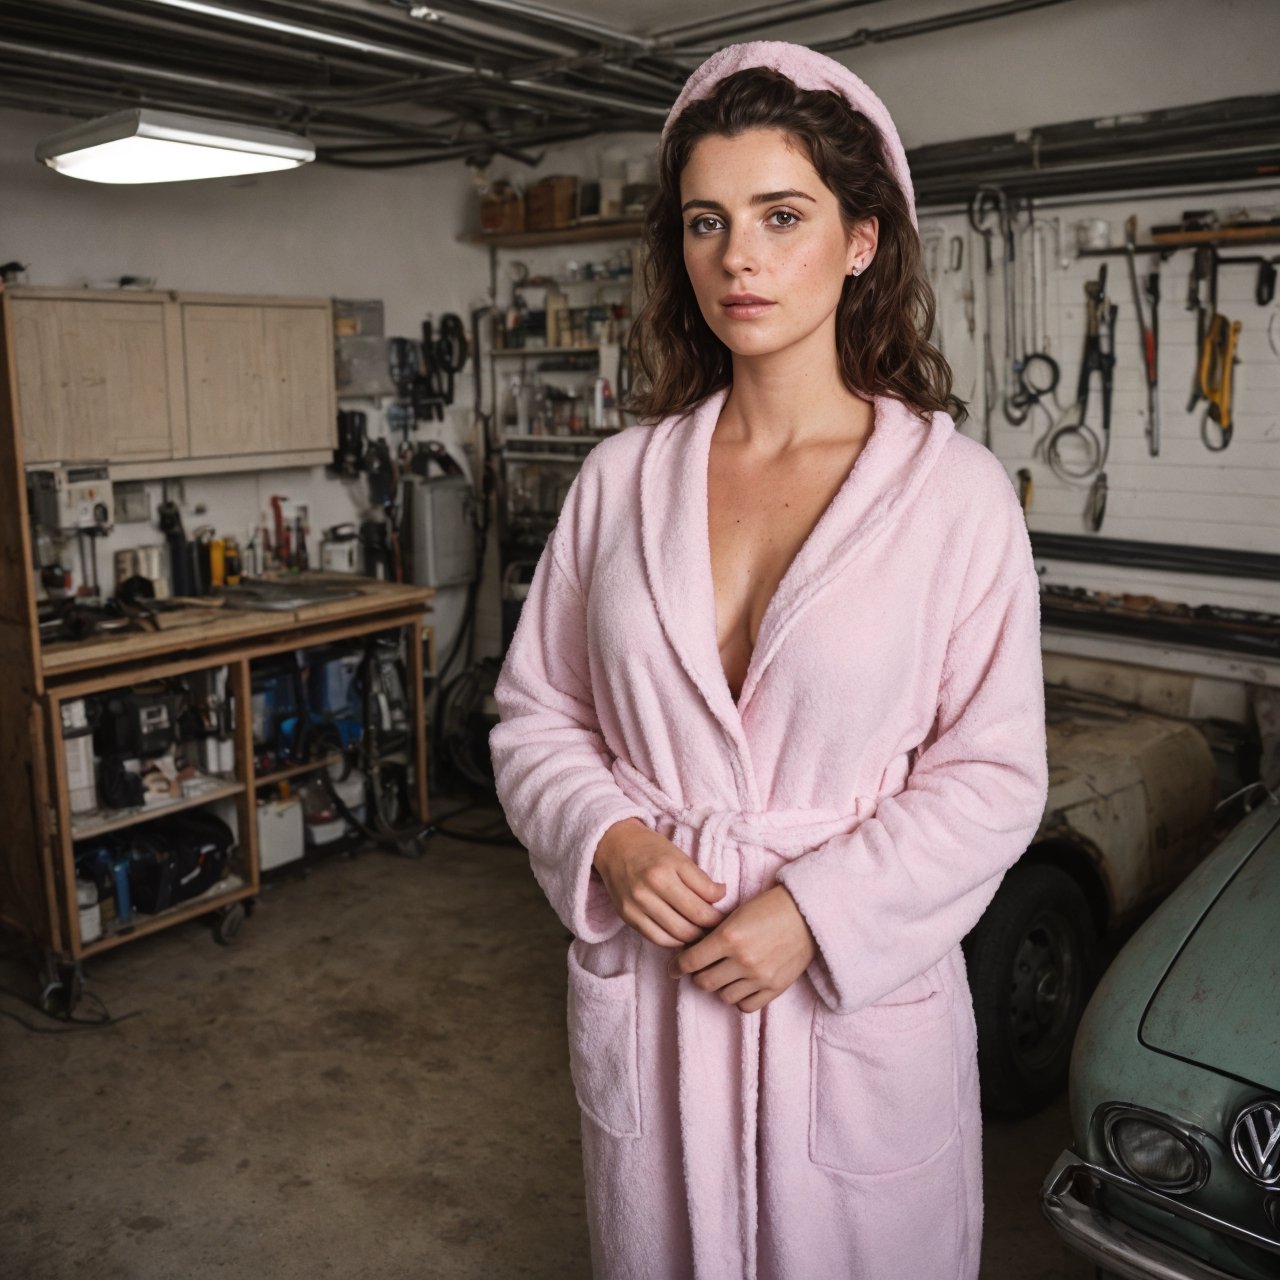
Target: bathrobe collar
899, 454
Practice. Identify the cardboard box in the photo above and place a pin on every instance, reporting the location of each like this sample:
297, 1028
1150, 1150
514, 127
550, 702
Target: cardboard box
551, 203
502, 210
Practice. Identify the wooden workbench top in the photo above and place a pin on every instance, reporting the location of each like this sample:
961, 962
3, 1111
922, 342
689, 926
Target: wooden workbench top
219, 627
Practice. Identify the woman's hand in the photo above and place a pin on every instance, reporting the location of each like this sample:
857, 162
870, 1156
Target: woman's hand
754, 955
656, 888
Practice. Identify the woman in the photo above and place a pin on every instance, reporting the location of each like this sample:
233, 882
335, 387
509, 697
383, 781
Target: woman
772, 722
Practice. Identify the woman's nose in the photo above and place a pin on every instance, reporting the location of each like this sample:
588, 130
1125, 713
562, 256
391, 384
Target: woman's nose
740, 251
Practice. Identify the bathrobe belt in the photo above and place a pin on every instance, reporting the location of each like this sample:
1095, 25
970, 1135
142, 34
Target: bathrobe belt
722, 1195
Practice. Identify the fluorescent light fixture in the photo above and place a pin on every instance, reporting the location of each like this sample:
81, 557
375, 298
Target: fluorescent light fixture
141, 145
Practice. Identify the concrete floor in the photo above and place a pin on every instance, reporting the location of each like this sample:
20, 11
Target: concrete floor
372, 1082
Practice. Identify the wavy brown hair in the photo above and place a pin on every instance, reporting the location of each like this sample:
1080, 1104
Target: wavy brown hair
884, 316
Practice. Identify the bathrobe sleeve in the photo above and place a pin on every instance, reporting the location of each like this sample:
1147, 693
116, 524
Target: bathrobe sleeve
890, 899
550, 760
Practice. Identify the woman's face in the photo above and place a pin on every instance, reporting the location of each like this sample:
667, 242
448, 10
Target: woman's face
764, 244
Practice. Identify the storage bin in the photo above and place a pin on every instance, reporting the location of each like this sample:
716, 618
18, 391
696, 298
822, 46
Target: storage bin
280, 837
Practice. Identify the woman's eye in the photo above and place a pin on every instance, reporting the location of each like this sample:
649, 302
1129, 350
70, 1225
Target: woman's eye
784, 218
704, 223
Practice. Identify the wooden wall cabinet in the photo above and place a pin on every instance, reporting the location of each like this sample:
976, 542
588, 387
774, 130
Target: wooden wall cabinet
171, 384
259, 378
97, 379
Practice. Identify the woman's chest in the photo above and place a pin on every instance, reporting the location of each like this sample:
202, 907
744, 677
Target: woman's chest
759, 515
865, 639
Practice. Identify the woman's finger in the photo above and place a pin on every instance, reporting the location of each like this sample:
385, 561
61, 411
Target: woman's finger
692, 906
666, 917
740, 993
654, 932
718, 975
702, 884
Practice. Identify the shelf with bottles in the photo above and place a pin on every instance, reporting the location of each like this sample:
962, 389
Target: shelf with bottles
196, 789
577, 306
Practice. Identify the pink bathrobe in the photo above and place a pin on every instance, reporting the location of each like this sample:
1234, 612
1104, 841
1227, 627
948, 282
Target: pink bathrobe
885, 762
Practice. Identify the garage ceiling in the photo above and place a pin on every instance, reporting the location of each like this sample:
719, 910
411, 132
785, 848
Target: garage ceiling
393, 83
377, 83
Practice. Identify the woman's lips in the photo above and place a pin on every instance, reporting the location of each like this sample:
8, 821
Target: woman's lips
744, 306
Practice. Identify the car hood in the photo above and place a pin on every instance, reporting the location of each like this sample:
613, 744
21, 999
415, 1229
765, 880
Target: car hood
1219, 1002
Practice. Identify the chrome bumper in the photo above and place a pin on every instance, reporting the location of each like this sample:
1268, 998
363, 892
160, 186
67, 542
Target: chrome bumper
1118, 1247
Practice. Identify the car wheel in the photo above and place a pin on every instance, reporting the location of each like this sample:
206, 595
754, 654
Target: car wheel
1030, 959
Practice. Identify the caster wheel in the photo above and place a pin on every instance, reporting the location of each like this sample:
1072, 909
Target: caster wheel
61, 986
228, 923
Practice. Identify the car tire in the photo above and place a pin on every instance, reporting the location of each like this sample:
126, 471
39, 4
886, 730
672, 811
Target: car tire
1031, 968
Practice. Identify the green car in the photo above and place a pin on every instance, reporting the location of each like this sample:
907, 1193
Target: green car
1175, 1082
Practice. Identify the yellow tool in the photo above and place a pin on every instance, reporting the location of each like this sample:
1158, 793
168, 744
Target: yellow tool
1217, 360
1026, 488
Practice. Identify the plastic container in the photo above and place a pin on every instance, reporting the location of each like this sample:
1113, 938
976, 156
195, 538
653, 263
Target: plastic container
90, 911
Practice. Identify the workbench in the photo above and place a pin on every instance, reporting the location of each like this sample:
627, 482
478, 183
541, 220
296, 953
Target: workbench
195, 640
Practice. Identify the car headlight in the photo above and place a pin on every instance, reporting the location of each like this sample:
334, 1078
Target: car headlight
1154, 1149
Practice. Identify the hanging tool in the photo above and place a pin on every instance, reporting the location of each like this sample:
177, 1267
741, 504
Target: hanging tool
1038, 377
980, 221
1264, 291
1217, 360
1035, 373
1099, 357
1153, 384
990, 202
1145, 334
1204, 272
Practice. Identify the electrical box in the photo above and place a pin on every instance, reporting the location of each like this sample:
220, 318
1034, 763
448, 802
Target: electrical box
439, 518
68, 498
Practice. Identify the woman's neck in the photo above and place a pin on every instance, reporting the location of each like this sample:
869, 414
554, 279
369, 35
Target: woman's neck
775, 404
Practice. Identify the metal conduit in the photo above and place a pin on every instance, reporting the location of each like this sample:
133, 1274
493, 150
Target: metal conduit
42, 54
928, 26
565, 22
760, 15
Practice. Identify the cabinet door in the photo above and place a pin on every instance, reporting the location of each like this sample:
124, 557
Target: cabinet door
298, 343
93, 380
259, 378
226, 380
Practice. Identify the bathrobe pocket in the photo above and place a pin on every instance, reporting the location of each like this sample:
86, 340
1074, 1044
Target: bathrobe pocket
882, 1085
604, 1043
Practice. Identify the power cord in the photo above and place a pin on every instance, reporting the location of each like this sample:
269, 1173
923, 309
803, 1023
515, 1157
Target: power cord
70, 1022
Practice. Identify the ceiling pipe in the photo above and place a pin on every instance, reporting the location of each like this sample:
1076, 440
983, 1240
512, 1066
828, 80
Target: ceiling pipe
377, 48
302, 31
762, 15
437, 19
928, 26
172, 29
284, 107
102, 62
566, 22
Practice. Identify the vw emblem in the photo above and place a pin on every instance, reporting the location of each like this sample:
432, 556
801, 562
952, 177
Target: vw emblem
1255, 1141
